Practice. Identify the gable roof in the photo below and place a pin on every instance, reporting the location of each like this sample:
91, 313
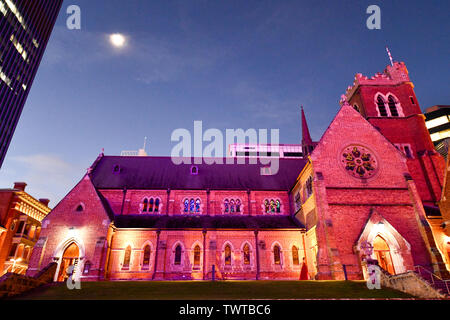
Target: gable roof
346, 111
157, 173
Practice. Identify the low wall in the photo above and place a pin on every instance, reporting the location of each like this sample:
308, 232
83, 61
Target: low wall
411, 283
12, 284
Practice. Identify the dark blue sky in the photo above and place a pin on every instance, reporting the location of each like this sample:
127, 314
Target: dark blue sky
231, 64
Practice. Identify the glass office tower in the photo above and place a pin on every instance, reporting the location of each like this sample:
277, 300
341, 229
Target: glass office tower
25, 28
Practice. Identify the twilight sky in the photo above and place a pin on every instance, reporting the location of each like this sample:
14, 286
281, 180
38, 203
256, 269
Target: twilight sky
232, 64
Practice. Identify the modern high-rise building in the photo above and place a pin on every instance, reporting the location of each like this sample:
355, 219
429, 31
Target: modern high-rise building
25, 28
437, 120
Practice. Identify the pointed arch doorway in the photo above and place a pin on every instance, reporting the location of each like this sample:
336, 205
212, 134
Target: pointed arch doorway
383, 254
70, 257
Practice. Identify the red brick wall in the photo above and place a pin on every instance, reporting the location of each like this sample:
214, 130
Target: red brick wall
214, 255
90, 225
346, 201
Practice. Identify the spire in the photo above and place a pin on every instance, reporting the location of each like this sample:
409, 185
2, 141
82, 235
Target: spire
390, 56
307, 143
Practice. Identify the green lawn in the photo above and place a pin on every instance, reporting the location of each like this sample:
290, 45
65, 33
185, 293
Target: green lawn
205, 290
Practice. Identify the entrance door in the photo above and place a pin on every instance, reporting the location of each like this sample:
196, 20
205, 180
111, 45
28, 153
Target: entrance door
69, 258
383, 254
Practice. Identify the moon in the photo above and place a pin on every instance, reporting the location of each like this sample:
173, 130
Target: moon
117, 40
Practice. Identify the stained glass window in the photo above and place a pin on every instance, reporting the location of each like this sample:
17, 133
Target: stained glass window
278, 204
266, 206
144, 208
232, 207
150, 207
226, 205
197, 205
359, 161
156, 205
238, 205
186, 205
191, 205
272, 206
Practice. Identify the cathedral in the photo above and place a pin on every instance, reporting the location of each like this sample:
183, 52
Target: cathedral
373, 179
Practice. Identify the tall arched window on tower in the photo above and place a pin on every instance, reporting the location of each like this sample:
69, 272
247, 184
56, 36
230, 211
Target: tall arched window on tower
177, 260
276, 255
127, 258
381, 107
392, 106
295, 259
146, 260
227, 255
197, 252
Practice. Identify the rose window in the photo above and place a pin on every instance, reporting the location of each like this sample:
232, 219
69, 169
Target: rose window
359, 161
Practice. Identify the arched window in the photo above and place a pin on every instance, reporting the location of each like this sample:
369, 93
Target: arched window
272, 206
197, 251
227, 255
127, 257
145, 205
146, 261
392, 106
192, 205
186, 205
278, 205
156, 205
80, 208
266, 206
232, 206
381, 107
197, 205
246, 254
177, 255
295, 259
276, 255
150, 207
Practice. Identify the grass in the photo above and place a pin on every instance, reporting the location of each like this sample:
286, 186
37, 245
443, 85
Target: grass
219, 290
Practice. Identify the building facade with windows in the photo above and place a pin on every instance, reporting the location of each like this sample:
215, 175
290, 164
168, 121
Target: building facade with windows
25, 28
368, 182
437, 120
20, 226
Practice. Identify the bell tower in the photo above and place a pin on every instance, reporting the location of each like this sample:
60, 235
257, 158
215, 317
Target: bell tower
388, 101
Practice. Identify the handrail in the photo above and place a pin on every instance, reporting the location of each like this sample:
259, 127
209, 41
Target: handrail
446, 282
